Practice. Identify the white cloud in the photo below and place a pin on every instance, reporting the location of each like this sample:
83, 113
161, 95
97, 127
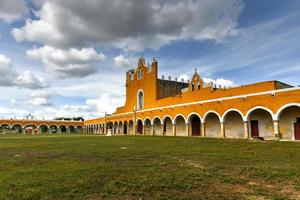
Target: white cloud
121, 61
11, 113
41, 98
29, 80
106, 103
10, 77
130, 25
67, 63
183, 77
220, 82
11, 10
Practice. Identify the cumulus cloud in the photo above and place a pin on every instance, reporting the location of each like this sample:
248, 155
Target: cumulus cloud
41, 98
29, 80
10, 77
220, 82
183, 77
11, 10
121, 61
106, 103
130, 25
92, 108
67, 63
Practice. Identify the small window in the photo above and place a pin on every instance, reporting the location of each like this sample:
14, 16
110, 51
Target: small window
140, 74
140, 100
193, 87
198, 86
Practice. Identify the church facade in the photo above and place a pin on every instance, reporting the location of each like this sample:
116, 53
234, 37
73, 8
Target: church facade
165, 107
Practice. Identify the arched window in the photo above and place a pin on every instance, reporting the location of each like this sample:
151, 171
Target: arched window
198, 86
140, 100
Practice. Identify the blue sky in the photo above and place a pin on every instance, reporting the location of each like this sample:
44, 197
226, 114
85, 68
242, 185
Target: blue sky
69, 59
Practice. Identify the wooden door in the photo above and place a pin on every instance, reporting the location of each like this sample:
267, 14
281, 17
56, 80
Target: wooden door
297, 130
254, 128
195, 127
140, 128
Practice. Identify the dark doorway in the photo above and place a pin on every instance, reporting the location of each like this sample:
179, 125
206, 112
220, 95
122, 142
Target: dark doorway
196, 126
254, 128
140, 127
125, 128
297, 129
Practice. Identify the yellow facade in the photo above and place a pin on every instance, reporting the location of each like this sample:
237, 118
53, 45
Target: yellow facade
153, 106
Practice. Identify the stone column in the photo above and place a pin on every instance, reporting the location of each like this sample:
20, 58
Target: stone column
174, 129
152, 129
276, 129
134, 122
162, 129
144, 129
187, 126
203, 130
222, 135
246, 129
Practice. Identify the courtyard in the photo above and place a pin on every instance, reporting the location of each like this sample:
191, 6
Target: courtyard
147, 167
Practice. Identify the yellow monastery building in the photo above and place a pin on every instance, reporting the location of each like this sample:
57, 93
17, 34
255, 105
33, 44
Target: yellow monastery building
270, 110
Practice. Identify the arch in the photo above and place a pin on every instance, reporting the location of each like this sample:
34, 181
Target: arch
147, 118
260, 120
139, 127
125, 128
234, 123
53, 129
180, 125
17, 128
130, 131
261, 108
147, 126
43, 129
4, 128
71, 129
120, 129
115, 128
194, 120
168, 125
277, 115
31, 129
165, 117
180, 115
79, 129
140, 99
211, 112
62, 129
156, 126
289, 121
192, 114
231, 110
156, 117
212, 124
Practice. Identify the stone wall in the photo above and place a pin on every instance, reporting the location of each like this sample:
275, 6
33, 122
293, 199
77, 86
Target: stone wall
167, 88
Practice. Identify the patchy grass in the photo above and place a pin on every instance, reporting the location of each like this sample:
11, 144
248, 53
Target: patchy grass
133, 167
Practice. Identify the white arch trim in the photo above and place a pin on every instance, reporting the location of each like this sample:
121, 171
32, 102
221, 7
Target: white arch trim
233, 110
277, 115
165, 117
194, 113
259, 108
211, 112
180, 115
138, 120
156, 117
144, 122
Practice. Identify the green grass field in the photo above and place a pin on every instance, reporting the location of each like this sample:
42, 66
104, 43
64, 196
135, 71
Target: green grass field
133, 167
